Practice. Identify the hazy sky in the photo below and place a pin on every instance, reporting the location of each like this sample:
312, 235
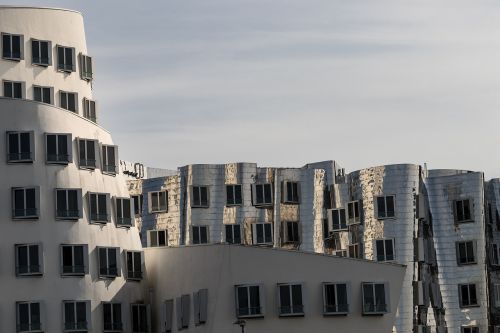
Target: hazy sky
287, 82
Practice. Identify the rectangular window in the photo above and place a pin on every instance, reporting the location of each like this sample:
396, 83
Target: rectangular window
233, 234
200, 197
290, 192
108, 262
66, 59
200, 302
262, 194
462, 210
99, 207
58, 148
21, 147
168, 316
85, 67
158, 202
340, 253
494, 254
89, 110
374, 298
25, 202
68, 204
385, 207
43, 94
335, 299
496, 292
13, 89
233, 195
12, 46
468, 296
110, 159
338, 219
353, 216
465, 252
157, 238
262, 234
469, 329
183, 311
290, 300
326, 229
248, 301
354, 251
87, 153
385, 249
134, 262
112, 317
123, 208
200, 234
29, 317
68, 101
41, 52
138, 200
139, 318
29, 259
76, 316
292, 233
74, 260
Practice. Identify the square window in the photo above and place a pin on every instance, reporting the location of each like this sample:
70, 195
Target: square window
200, 234
66, 59
290, 300
25, 202
89, 110
353, 216
99, 207
74, 259
138, 201
87, 153
290, 193
385, 249
12, 46
233, 195
467, 294
123, 209
86, 67
108, 262
29, 317
200, 197
233, 233
262, 195
262, 234
68, 101
249, 301
110, 159
338, 219
41, 52
21, 147
68, 204
463, 211
374, 298
135, 261
13, 89
76, 316
58, 148
292, 233
139, 318
29, 259
158, 202
335, 299
157, 238
466, 253
43, 94
386, 207
112, 317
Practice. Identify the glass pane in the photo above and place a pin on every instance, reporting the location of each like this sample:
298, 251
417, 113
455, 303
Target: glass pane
67, 256
44, 52
135, 318
390, 206
69, 57
297, 298
237, 234
196, 235
25, 144
459, 210
112, 264
19, 202
22, 257
103, 261
229, 234
81, 313
16, 46
470, 252
380, 297
71, 102
254, 300
342, 297
37, 94
101, 198
260, 233
31, 201
18, 92
90, 150
163, 200
162, 238
73, 202
126, 208
196, 196
117, 313
33, 255
93, 205
78, 255
204, 235
107, 308
472, 293
51, 147
330, 302
60, 57
259, 195
467, 214
24, 318
111, 156
285, 301
462, 256
237, 194
35, 314
230, 195
343, 223
389, 250
13, 146
380, 250
82, 150
381, 207
369, 298
243, 306
267, 193
6, 46
204, 196
268, 233
62, 145
69, 313
47, 98
153, 238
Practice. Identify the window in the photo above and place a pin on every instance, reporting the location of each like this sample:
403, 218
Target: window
200, 300
85, 67
134, 262
374, 298
465, 252
249, 301
183, 306
42, 94
338, 219
340, 253
385, 207
89, 110
13, 89
200, 197
29, 317
290, 300
262, 233
353, 213
21, 147
354, 251
29, 259
157, 238
76, 316
68, 204
41, 52
470, 329
290, 192
292, 232
12, 46
138, 199
112, 316
66, 59
158, 202
496, 293
87, 153
462, 210
167, 316
25, 202
385, 249
98, 207
262, 194
468, 296
139, 318
233, 195
58, 148
68, 100
326, 229
494, 255
123, 212
110, 159
74, 260
200, 234
335, 299
233, 234
108, 262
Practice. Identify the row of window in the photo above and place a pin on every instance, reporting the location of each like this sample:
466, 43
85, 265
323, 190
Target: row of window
74, 261
41, 55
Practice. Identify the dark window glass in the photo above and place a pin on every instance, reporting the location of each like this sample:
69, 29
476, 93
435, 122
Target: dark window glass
268, 233
6, 46
285, 301
267, 193
254, 300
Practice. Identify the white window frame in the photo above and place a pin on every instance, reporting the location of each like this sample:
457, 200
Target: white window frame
353, 213
300, 312
474, 252
157, 208
108, 252
64, 66
107, 166
460, 298
31, 271
342, 217
75, 272
66, 209
261, 312
90, 109
327, 311
235, 229
261, 188
375, 311
154, 241
385, 240
23, 157
22, 84
39, 55
69, 149
21, 47
77, 326
86, 73
120, 220
295, 228
113, 326
200, 203
136, 305
134, 273
254, 233
42, 89
233, 198
470, 203
32, 326
295, 193
97, 217
87, 165
201, 228
26, 216
385, 216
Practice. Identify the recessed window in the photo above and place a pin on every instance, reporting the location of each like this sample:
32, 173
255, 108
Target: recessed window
41, 52
466, 252
292, 233
139, 318
200, 302
12, 46
168, 313
112, 317
468, 296
110, 159
469, 329
76, 316
89, 110
74, 260
135, 261
25, 202
262, 234
494, 254
496, 294
86, 67
29, 318
200, 234
353, 250
68, 100
66, 59
249, 301
108, 262
233, 195
233, 233
385, 249
462, 211
58, 148
183, 304
68, 204
290, 300
262, 194
338, 219
374, 298
157, 238
335, 300
200, 197
138, 200
98, 207
158, 202
43, 94
290, 192
13, 89
385, 207
353, 216
87, 153
21, 147
123, 212
29, 259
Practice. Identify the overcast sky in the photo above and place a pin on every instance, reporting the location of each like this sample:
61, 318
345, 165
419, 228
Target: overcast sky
288, 82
